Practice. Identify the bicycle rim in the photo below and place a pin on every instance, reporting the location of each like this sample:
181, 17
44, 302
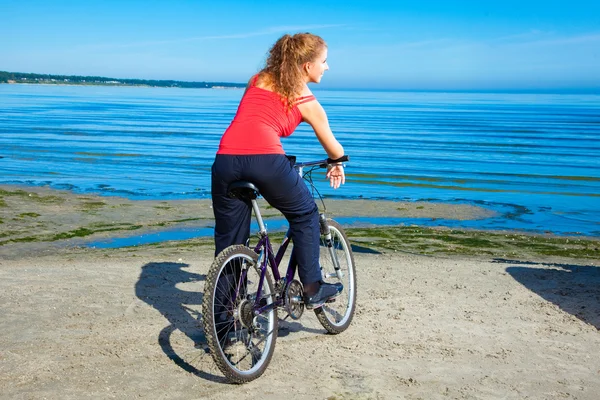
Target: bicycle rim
336, 316
240, 342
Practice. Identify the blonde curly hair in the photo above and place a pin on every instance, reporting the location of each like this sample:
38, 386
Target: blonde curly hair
283, 68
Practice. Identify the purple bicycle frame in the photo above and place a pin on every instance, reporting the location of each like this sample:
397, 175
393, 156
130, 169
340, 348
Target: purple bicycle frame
264, 244
274, 260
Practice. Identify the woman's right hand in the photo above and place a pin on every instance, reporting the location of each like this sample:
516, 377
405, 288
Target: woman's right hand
335, 174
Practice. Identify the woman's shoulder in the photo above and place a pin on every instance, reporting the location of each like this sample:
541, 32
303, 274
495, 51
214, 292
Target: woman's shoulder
261, 81
306, 92
254, 81
306, 96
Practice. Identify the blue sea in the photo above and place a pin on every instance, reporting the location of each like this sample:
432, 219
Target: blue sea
533, 158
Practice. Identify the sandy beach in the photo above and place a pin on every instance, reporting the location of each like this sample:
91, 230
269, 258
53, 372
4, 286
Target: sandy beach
514, 317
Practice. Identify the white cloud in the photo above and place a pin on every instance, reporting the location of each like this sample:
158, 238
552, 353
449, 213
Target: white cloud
242, 35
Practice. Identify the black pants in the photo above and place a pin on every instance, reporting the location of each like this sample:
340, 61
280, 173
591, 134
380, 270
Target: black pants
282, 188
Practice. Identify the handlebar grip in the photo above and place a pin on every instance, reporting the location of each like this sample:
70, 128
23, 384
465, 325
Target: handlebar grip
343, 158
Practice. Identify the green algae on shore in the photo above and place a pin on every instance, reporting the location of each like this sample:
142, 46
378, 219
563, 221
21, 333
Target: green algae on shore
33, 196
75, 233
45, 216
445, 241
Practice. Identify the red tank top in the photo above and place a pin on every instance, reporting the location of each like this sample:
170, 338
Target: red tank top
261, 120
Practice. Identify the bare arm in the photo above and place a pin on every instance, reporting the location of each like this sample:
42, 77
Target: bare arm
314, 114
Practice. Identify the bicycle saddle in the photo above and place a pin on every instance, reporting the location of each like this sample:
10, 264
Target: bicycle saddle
243, 190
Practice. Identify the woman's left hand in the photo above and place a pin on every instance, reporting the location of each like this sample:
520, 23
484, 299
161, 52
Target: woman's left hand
335, 174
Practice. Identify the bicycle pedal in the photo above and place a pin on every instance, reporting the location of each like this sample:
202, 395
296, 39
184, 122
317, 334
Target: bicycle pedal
332, 300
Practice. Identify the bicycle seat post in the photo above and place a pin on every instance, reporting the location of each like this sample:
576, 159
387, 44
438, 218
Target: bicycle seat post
248, 191
261, 225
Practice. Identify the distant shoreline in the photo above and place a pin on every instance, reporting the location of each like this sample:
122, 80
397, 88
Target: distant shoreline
76, 80
114, 85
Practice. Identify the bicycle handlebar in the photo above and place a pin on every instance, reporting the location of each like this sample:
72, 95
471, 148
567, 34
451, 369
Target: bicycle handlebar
322, 163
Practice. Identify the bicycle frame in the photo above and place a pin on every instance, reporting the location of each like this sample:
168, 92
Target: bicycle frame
267, 257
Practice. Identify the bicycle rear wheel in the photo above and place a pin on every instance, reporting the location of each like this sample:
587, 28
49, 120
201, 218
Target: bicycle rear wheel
336, 316
240, 342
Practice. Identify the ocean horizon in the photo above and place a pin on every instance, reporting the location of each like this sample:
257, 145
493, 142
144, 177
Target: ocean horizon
532, 157
325, 88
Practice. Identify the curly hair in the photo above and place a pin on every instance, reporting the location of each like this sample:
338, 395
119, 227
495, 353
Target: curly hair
283, 69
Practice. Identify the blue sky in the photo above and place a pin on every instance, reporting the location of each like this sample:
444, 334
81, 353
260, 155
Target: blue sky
428, 45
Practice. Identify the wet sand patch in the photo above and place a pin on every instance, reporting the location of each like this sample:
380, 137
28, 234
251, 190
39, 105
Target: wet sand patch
42, 220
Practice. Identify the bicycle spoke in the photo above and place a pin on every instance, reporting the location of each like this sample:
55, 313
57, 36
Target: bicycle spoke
240, 342
337, 315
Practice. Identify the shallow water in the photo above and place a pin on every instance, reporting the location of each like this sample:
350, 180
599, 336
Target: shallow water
533, 158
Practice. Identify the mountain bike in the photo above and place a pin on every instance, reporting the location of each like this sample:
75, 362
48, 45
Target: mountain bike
244, 290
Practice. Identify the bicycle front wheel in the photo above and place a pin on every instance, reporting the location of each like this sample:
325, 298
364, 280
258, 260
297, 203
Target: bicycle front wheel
336, 316
240, 341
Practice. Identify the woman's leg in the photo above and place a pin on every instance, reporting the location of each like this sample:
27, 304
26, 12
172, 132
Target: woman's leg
285, 190
232, 226
282, 188
232, 215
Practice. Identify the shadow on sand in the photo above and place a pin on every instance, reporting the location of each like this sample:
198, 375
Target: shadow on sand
157, 286
573, 288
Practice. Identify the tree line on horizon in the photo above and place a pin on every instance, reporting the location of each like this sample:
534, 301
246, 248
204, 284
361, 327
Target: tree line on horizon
21, 77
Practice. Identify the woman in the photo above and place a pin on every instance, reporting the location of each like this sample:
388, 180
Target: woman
275, 102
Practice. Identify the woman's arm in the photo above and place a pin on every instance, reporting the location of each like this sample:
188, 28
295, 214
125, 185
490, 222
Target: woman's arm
314, 114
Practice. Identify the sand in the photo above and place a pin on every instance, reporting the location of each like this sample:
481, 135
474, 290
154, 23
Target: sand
126, 323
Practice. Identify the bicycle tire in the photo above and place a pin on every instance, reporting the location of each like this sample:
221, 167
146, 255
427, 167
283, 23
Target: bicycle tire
233, 333
337, 315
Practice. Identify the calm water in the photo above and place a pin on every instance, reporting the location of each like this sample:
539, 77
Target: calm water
533, 158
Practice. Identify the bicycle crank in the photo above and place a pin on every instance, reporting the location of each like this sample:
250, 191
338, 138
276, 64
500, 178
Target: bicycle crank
294, 301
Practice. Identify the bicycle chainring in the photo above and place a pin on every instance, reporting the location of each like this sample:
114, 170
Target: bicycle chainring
294, 299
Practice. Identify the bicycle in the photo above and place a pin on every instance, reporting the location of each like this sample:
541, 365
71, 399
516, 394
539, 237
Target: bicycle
242, 331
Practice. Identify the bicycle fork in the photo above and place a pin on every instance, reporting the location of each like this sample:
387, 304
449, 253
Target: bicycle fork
329, 243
